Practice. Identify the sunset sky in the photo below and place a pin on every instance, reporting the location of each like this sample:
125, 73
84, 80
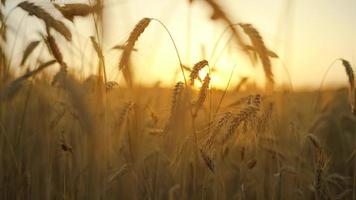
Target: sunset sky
308, 35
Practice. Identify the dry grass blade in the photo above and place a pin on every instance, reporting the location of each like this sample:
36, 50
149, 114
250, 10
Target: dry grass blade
29, 49
196, 69
49, 20
72, 10
129, 46
260, 48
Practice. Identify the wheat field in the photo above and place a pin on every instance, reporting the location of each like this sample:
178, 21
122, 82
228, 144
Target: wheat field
64, 135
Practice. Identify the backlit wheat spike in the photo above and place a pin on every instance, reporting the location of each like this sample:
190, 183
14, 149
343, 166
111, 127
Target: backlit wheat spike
244, 116
196, 69
260, 48
175, 104
49, 20
351, 78
125, 112
222, 121
72, 10
177, 97
55, 50
349, 72
202, 94
129, 46
29, 49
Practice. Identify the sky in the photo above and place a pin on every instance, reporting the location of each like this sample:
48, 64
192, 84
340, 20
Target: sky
308, 35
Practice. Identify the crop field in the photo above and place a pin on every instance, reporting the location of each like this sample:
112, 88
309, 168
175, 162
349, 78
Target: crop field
70, 134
